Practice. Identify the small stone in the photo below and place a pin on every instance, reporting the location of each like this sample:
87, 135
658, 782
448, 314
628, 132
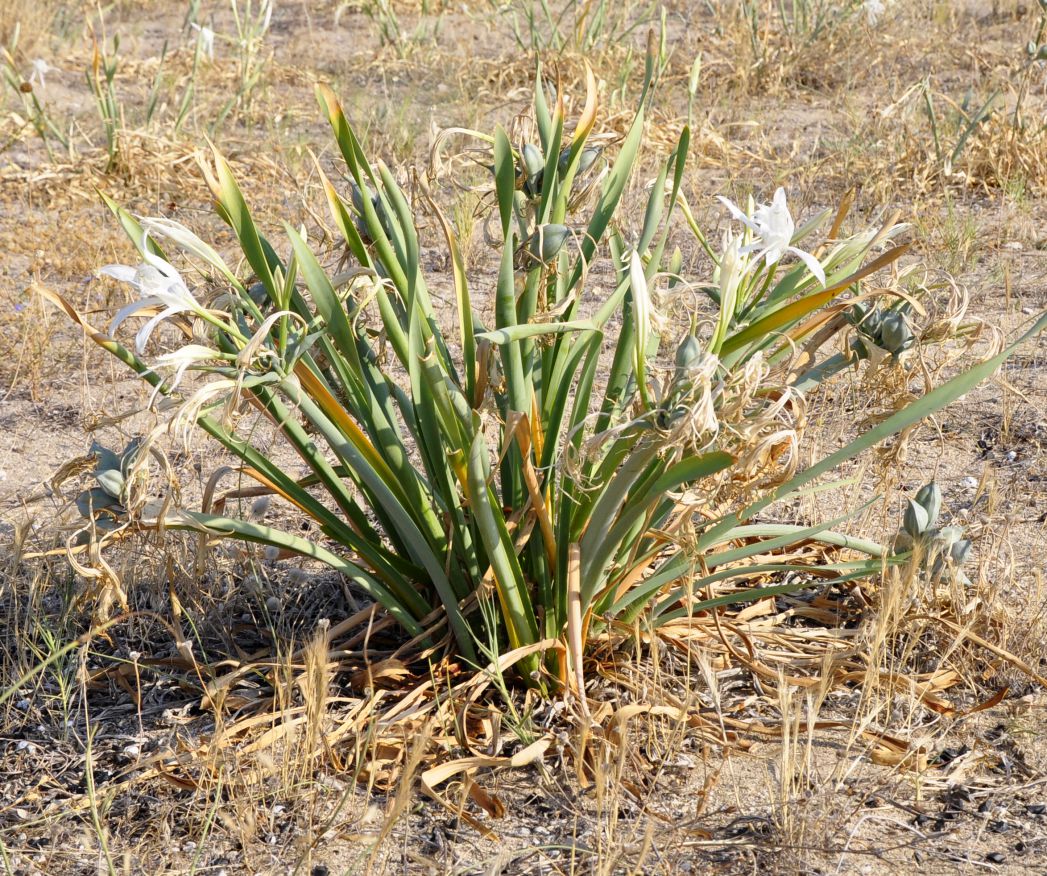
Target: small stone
1010, 455
26, 746
132, 751
995, 857
970, 483
273, 603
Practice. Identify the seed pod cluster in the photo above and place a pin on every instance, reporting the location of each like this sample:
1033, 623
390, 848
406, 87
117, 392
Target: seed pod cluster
531, 169
943, 550
105, 504
887, 329
379, 208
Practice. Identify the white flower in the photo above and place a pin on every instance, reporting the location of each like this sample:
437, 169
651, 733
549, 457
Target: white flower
160, 285
40, 69
206, 39
181, 359
873, 9
773, 227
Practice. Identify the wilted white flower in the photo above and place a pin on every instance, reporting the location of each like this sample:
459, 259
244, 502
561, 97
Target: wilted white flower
206, 39
180, 360
40, 69
773, 227
873, 9
160, 285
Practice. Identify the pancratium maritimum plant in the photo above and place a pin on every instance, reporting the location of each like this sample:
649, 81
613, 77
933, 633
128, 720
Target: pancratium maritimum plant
529, 483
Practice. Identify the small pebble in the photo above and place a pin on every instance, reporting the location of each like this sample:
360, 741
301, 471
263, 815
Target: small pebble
1011, 455
970, 483
25, 745
132, 751
995, 857
273, 603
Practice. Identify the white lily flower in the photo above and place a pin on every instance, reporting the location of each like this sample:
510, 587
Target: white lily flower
160, 285
773, 227
206, 39
873, 9
40, 69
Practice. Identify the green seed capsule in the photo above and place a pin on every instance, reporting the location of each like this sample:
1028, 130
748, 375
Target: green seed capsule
688, 352
361, 221
895, 334
112, 481
533, 169
585, 160
960, 551
915, 520
547, 241
533, 163
930, 498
